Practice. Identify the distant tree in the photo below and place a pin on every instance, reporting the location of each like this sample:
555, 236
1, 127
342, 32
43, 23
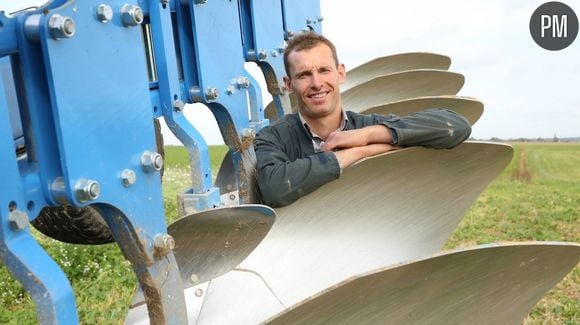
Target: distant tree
555, 138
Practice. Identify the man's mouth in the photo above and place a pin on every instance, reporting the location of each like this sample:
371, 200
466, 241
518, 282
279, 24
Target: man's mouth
318, 95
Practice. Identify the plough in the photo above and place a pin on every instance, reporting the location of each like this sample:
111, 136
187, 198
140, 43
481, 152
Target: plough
84, 84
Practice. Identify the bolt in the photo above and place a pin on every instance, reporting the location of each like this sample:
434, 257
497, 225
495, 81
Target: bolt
263, 55
61, 27
164, 241
211, 93
281, 50
151, 162
178, 105
194, 278
32, 26
128, 177
198, 292
131, 15
248, 133
87, 190
289, 34
309, 21
104, 13
18, 220
200, 2
232, 197
243, 82
230, 90
195, 94
274, 53
320, 18
163, 244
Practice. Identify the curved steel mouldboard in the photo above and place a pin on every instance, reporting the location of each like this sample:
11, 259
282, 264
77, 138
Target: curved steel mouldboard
490, 284
392, 64
384, 210
400, 86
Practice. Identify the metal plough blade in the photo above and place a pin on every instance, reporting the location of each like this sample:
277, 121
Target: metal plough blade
211, 243
490, 284
384, 210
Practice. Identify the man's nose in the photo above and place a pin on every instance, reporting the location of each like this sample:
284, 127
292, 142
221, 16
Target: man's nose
316, 81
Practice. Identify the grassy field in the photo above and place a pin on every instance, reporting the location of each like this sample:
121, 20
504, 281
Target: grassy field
536, 198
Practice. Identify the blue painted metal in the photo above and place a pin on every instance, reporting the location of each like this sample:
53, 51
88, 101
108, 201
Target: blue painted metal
22, 255
263, 32
84, 106
218, 78
301, 15
171, 101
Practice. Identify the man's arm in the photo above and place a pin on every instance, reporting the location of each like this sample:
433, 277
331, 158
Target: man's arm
282, 181
434, 128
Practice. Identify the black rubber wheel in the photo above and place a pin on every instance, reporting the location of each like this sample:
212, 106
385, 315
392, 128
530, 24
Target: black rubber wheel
74, 225
82, 225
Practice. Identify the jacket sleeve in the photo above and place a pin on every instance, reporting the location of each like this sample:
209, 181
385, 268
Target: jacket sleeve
432, 128
282, 181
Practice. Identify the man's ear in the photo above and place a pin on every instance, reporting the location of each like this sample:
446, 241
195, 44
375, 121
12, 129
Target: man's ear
341, 73
288, 84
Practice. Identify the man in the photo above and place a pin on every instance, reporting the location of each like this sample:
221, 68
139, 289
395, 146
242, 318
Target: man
303, 151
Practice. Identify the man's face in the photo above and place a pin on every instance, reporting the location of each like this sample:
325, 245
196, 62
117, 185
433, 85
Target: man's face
315, 79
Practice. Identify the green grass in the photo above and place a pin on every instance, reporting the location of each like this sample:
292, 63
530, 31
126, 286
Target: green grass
545, 208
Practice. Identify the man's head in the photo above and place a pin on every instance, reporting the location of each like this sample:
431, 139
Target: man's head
307, 41
314, 74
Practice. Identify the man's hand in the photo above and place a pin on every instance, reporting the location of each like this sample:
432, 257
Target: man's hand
347, 157
376, 134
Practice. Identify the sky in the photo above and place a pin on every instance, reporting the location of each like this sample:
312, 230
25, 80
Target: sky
527, 91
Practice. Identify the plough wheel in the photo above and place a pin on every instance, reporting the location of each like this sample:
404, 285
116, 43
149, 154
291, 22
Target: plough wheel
82, 225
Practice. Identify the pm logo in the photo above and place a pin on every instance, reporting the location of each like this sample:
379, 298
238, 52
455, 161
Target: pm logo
554, 26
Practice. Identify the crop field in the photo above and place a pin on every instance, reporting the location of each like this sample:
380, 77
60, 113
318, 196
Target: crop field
537, 197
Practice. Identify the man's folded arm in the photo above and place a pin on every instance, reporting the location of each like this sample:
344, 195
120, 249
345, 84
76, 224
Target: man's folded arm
432, 128
282, 182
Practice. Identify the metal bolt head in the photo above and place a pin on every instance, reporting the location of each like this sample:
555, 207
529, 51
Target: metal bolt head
263, 54
248, 133
128, 177
243, 82
194, 278
309, 21
274, 53
61, 27
211, 93
131, 15
289, 34
18, 220
163, 244
198, 292
151, 161
320, 18
230, 90
200, 2
104, 13
178, 105
87, 190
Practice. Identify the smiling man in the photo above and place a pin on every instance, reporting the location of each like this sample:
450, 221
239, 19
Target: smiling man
305, 150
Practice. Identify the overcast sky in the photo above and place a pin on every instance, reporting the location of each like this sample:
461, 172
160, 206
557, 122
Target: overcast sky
527, 91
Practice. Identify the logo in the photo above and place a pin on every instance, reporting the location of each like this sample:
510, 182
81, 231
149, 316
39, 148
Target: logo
554, 26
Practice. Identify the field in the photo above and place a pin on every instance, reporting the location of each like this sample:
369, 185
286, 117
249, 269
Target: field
536, 198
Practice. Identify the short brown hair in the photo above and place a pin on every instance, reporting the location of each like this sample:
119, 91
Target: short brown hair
306, 41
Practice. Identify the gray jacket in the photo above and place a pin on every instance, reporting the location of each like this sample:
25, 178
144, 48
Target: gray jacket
289, 168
